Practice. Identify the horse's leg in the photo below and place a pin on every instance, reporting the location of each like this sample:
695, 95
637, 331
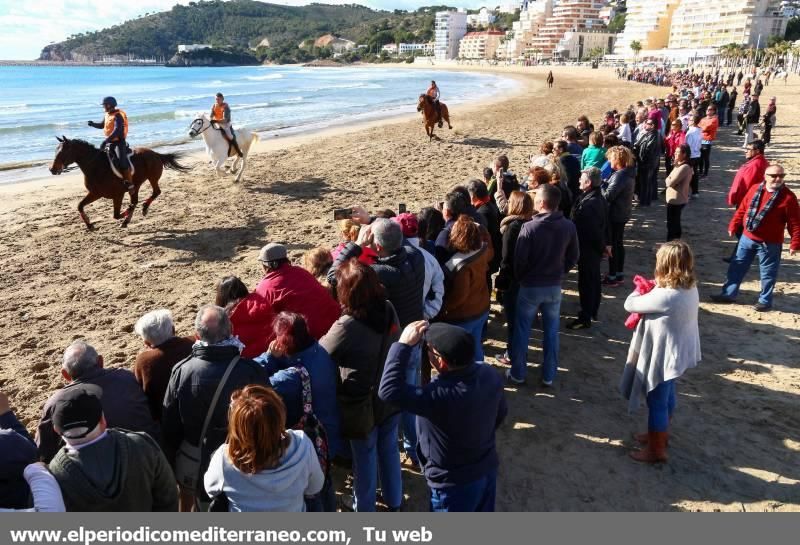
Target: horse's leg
242, 161
152, 197
117, 200
88, 199
446, 116
128, 215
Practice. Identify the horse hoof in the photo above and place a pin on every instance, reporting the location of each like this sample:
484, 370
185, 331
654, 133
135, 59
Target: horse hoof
91, 227
145, 208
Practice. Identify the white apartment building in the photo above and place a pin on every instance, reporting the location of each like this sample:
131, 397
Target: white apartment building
449, 28
391, 49
532, 17
480, 45
647, 22
568, 15
700, 23
410, 49
192, 47
576, 44
483, 18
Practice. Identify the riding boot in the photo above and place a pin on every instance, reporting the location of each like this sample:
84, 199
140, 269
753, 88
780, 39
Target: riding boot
236, 147
127, 180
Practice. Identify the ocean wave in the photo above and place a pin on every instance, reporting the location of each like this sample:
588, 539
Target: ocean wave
265, 77
254, 106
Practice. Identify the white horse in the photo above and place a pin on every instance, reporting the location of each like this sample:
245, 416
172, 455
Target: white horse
218, 148
781, 74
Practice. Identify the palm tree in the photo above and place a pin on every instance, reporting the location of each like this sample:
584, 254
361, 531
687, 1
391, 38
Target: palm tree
636, 47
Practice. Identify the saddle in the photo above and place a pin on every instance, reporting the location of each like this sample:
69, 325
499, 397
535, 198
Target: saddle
112, 162
231, 149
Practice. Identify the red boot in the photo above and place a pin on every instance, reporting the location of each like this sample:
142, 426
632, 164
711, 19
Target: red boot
656, 449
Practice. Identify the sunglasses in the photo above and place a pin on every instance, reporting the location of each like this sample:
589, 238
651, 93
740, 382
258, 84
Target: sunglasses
777, 176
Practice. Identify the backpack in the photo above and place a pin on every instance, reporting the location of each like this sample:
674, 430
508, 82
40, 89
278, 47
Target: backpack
310, 424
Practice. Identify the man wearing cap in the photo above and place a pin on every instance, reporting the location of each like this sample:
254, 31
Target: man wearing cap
107, 469
294, 289
433, 287
125, 404
458, 413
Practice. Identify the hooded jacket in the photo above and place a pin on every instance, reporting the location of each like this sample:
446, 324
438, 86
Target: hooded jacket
619, 194
466, 294
279, 489
251, 319
123, 471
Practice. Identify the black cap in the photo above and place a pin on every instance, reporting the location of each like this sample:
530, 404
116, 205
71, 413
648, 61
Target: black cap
454, 344
77, 410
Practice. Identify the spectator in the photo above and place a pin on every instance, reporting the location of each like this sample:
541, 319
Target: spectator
751, 120
558, 179
458, 414
731, 105
188, 401
251, 315
570, 165
624, 130
293, 289
433, 287
594, 155
590, 216
769, 121
573, 147
664, 346
765, 212
318, 262
619, 194
455, 204
520, 211
104, 469
358, 342
163, 350
430, 223
124, 403
544, 157
484, 205
585, 130
294, 346
675, 139
694, 139
502, 180
648, 149
749, 174
466, 297
349, 230
611, 140
677, 195
708, 127
547, 248
262, 466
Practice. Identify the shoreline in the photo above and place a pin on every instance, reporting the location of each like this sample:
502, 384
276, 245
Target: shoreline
293, 136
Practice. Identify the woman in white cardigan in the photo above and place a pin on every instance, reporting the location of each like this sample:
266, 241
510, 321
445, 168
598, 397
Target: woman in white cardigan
665, 344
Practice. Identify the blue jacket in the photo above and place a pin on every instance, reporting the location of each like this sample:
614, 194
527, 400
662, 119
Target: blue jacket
17, 450
323, 373
459, 412
547, 248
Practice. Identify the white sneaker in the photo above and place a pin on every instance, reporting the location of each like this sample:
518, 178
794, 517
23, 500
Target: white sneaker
513, 380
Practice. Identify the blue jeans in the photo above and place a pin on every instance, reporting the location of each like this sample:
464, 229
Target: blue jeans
660, 406
409, 420
529, 301
769, 259
475, 328
377, 454
475, 497
510, 309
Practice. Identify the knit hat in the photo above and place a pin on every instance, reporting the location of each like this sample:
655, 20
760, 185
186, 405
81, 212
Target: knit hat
272, 252
408, 224
77, 410
454, 344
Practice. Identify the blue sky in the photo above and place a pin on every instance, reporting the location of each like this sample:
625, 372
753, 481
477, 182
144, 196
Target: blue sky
30, 25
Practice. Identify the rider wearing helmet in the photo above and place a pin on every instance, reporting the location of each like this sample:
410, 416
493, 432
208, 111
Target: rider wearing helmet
221, 119
433, 92
115, 128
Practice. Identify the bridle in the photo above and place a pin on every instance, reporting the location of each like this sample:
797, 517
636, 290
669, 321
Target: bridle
203, 126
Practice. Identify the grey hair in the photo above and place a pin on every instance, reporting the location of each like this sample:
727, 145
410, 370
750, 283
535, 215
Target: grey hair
388, 234
156, 327
79, 358
212, 324
593, 173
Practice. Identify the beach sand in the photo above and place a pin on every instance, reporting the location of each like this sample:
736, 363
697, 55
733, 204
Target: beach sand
735, 441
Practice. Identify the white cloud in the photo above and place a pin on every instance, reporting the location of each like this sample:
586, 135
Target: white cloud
29, 26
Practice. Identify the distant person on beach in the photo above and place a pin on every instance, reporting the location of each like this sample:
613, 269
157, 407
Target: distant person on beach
221, 120
550, 79
115, 129
665, 344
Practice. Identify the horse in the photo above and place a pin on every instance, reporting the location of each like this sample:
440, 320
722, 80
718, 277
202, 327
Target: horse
429, 117
218, 148
550, 79
782, 74
100, 180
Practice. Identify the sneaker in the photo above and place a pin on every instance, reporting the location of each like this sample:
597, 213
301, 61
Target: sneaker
695, 196
513, 380
722, 298
547, 383
577, 323
612, 282
504, 359
761, 307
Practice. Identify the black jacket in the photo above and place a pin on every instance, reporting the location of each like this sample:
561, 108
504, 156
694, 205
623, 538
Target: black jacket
590, 215
619, 195
402, 274
512, 226
648, 149
491, 215
572, 168
754, 113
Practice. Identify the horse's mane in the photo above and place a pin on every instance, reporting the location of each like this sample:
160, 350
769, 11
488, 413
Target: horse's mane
84, 143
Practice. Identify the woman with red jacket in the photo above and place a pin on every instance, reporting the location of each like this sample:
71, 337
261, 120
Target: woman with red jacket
708, 127
675, 139
251, 315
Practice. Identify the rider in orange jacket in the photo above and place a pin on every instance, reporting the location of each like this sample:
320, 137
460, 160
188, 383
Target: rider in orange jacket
115, 128
221, 119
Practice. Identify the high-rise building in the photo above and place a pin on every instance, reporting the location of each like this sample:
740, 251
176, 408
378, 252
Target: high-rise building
532, 16
449, 28
576, 44
701, 24
568, 15
647, 22
480, 45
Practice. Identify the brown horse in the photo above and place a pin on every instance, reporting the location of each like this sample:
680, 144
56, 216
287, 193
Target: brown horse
429, 116
100, 180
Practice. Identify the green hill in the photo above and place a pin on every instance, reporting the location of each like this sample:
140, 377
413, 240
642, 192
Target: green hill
240, 25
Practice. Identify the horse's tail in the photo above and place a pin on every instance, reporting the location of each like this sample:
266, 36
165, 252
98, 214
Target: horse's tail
170, 161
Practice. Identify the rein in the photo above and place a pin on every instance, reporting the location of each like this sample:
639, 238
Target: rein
202, 124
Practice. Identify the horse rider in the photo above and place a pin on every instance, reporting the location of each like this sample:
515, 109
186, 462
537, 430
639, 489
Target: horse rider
115, 127
433, 92
221, 119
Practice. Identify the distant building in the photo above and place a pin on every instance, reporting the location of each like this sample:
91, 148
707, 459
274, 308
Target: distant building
568, 15
532, 17
391, 49
699, 23
192, 47
337, 45
508, 7
480, 45
483, 18
576, 44
449, 28
647, 22
409, 49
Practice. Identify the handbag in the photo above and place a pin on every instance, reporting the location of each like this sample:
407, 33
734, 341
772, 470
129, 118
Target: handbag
310, 424
189, 457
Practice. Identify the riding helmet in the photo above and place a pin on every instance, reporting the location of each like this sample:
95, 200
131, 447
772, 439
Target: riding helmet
109, 100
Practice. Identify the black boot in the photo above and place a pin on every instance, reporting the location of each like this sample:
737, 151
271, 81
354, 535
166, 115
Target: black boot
236, 147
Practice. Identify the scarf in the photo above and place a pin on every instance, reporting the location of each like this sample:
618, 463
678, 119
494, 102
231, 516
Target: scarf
754, 216
230, 341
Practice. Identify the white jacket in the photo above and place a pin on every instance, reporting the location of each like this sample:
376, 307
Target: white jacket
433, 287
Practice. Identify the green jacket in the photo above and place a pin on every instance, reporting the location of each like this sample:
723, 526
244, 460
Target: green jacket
593, 157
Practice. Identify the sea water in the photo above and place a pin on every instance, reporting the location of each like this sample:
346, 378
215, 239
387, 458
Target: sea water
39, 103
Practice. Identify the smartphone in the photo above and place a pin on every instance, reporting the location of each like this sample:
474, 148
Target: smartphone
401, 208
342, 213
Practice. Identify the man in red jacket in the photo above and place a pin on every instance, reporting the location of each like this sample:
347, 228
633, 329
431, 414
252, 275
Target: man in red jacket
749, 174
293, 289
766, 210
